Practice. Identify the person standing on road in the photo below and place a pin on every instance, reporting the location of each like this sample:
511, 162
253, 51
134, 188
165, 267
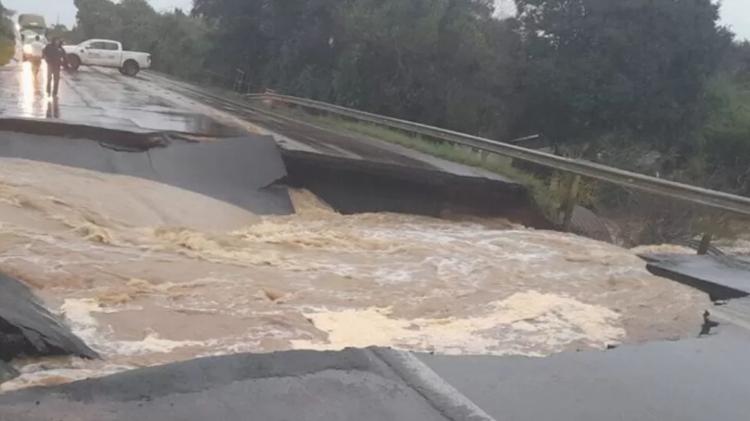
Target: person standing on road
55, 57
37, 47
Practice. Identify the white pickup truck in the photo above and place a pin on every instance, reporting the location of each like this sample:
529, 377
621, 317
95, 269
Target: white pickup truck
107, 53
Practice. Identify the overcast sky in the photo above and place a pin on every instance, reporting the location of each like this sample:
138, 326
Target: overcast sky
65, 9
735, 13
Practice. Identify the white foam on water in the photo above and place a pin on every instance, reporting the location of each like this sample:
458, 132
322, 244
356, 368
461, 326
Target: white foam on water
83, 323
147, 274
57, 370
528, 323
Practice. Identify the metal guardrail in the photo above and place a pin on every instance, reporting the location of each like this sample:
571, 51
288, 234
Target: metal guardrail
710, 198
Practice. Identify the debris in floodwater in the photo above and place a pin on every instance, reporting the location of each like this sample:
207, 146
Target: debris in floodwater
708, 324
273, 294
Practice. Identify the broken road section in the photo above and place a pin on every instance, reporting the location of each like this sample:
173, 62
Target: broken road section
364, 385
27, 328
239, 171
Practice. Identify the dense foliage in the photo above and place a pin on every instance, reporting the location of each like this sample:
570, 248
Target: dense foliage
6, 35
6, 25
603, 65
600, 77
724, 158
445, 62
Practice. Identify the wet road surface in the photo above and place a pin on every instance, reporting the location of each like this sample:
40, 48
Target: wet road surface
695, 379
154, 102
97, 98
303, 136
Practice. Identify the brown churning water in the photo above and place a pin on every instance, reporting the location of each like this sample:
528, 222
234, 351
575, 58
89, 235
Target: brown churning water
148, 274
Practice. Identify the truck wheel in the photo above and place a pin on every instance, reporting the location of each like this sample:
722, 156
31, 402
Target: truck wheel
131, 68
74, 62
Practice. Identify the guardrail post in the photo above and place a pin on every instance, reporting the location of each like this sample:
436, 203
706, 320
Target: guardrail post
239, 80
483, 155
569, 203
705, 244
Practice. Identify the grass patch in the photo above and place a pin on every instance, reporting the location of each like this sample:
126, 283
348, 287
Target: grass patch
546, 198
7, 50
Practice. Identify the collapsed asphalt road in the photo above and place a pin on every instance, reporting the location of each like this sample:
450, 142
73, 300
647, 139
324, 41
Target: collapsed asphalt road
240, 171
370, 176
150, 268
153, 102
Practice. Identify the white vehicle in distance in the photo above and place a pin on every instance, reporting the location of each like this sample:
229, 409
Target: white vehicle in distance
31, 33
107, 53
32, 46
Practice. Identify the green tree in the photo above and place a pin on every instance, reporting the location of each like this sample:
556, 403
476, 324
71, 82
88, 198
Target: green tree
445, 62
597, 66
98, 19
7, 36
286, 45
442, 62
6, 25
725, 159
181, 46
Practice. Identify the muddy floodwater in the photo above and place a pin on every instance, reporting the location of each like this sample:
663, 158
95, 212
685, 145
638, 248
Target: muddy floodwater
148, 274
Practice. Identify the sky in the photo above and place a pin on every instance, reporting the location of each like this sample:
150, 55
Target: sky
65, 9
735, 13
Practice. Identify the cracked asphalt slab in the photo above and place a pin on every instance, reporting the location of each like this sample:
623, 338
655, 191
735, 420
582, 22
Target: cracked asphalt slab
239, 171
367, 384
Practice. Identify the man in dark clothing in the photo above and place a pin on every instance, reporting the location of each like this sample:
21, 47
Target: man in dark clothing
55, 57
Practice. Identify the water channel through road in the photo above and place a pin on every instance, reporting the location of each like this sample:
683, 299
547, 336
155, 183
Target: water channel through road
148, 274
